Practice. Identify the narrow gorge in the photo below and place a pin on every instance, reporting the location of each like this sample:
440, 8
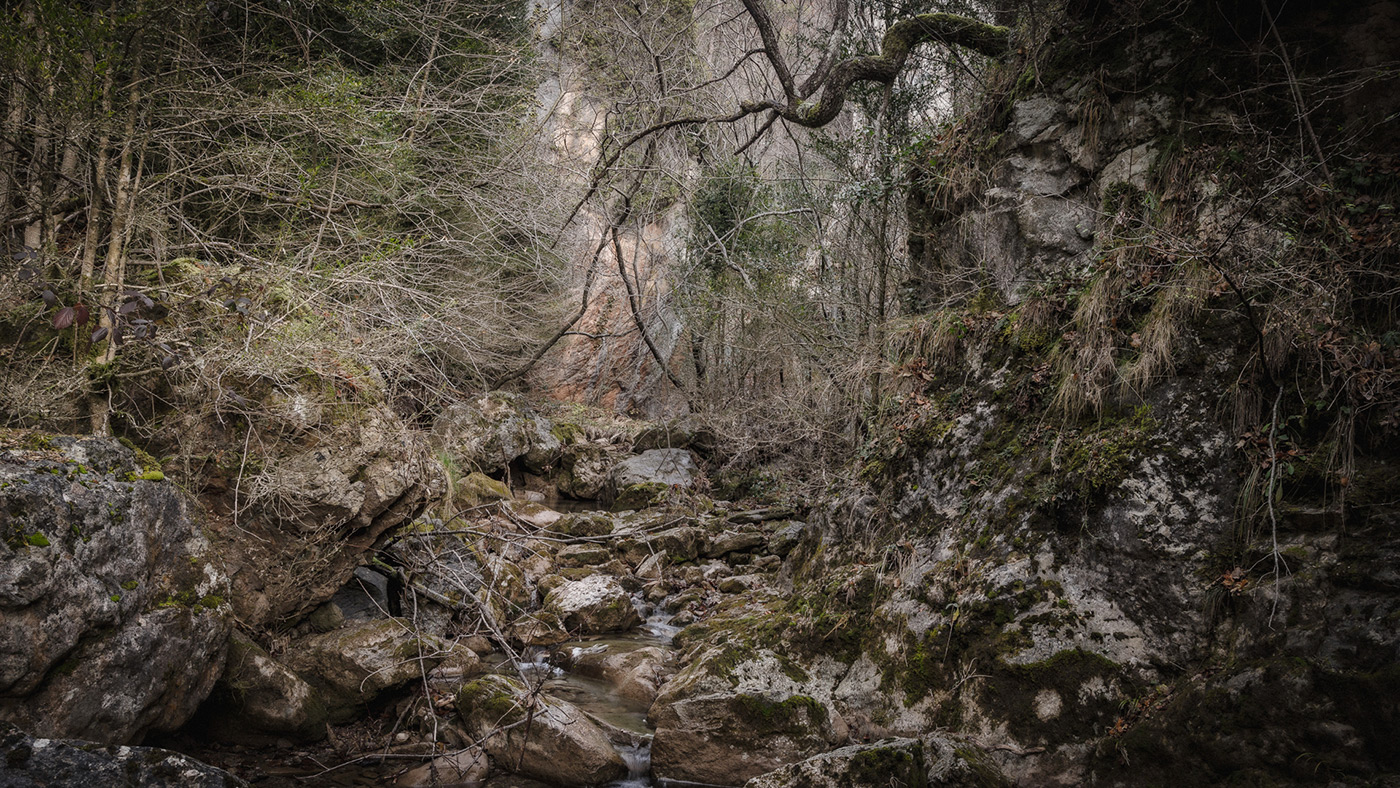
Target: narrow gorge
809, 394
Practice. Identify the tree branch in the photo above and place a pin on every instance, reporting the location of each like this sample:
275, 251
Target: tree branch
759, 14
901, 39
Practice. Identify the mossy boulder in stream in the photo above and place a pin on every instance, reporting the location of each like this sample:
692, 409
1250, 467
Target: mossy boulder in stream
537, 736
593, 605
725, 738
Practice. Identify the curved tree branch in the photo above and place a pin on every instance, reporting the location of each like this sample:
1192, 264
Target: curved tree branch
991, 40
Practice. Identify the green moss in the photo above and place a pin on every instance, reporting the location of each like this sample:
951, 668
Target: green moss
146, 476
902, 766
487, 698
37, 442
115, 597
148, 463
36, 540
1014, 688
1101, 458
567, 433
641, 496
796, 715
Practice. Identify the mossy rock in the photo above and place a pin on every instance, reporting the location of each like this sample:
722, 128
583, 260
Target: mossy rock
641, 496
585, 524
477, 488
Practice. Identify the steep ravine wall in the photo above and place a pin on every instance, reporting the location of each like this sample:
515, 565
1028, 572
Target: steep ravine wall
1089, 446
1130, 521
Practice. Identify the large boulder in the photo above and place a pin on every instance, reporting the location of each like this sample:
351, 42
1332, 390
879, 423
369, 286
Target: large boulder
259, 699
313, 512
739, 709
671, 467
495, 429
29, 762
634, 673
727, 738
536, 736
352, 666
593, 605
466, 767
112, 618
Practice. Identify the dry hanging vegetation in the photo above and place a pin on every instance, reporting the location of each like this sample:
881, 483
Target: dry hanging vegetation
224, 208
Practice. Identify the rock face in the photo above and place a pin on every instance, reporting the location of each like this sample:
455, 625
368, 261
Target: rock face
593, 605
543, 739
112, 618
492, 431
935, 762
29, 762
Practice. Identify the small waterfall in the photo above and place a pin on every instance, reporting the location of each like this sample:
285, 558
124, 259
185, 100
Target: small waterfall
638, 760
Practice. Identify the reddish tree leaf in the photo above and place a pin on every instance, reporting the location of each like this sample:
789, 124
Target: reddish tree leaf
63, 318
80, 314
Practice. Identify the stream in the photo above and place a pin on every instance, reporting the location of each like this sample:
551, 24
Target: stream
624, 718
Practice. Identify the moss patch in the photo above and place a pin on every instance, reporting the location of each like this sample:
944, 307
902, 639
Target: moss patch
796, 715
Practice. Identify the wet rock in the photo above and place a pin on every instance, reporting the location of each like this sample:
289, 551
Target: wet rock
495, 429
466, 768
29, 762
935, 762
634, 673
113, 621
593, 605
727, 738
352, 666
538, 737
258, 698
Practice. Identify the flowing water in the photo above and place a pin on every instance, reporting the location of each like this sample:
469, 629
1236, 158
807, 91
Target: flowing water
624, 718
